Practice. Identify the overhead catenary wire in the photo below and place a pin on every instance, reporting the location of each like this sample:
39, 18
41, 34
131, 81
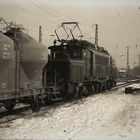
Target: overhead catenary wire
60, 16
55, 11
43, 9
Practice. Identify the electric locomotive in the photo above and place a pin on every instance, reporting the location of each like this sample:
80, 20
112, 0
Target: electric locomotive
77, 67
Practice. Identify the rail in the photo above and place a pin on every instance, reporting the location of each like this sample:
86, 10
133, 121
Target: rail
20, 112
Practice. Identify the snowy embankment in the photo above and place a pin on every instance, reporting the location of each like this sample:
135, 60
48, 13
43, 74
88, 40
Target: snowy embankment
102, 116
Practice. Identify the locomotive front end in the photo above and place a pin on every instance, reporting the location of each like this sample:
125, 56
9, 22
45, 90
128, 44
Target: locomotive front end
56, 72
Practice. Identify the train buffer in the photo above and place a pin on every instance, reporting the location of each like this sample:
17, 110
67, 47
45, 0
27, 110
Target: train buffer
54, 95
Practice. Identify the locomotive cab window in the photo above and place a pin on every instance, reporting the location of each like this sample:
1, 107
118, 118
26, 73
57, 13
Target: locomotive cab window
76, 53
58, 54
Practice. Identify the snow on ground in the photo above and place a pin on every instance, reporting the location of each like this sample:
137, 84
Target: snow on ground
136, 85
102, 116
119, 83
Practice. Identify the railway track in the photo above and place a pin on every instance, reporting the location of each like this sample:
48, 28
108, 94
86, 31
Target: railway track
6, 117
124, 84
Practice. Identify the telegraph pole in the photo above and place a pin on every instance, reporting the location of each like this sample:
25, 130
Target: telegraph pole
127, 71
127, 58
96, 34
40, 34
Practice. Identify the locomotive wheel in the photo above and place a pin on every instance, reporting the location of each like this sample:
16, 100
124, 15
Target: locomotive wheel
76, 93
108, 85
103, 87
99, 88
93, 89
9, 108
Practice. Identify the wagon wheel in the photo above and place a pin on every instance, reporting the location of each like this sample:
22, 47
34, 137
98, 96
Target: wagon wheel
9, 105
35, 104
84, 91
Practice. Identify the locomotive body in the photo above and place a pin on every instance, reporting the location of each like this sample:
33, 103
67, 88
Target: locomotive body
77, 67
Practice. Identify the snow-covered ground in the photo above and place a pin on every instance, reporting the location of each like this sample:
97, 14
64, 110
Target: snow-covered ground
102, 116
119, 83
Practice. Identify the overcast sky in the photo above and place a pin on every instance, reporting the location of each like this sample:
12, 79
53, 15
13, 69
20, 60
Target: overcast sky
118, 20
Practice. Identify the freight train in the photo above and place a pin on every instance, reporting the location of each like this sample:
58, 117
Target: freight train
28, 74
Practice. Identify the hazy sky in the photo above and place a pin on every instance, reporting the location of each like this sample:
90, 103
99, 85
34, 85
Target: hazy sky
118, 20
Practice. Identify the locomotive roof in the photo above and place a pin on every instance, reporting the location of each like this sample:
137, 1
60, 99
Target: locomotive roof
81, 44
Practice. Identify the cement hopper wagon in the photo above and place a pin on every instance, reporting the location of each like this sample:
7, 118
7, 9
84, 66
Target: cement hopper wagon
27, 58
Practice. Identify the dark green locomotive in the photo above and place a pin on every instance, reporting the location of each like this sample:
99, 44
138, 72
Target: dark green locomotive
78, 67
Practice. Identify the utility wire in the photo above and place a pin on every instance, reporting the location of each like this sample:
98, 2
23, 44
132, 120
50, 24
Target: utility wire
56, 11
43, 9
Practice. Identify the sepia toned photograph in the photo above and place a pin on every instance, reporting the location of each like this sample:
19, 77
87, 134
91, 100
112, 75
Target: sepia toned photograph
70, 70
